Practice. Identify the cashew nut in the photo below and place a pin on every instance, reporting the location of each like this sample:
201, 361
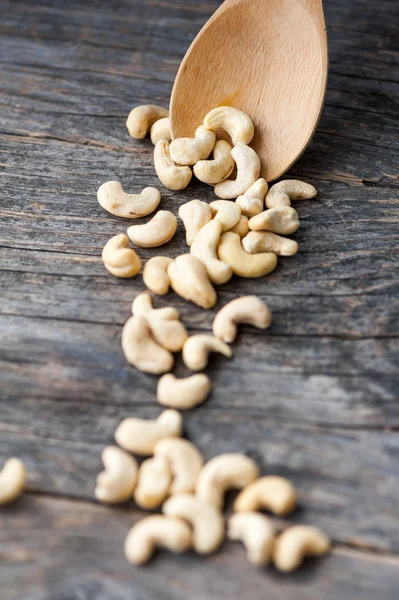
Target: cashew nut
156, 531
271, 492
256, 532
129, 206
156, 232
153, 482
142, 307
248, 169
189, 279
242, 227
227, 212
184, 460
281, 193
206, 520
188, 151
194, 214
219, 168
223, 473
12, 480
141, 350
238, 125
247, 309
141, 119
155, 274
183, 393
205, 246
171, 175
283, 220
297, 542
266, 241
117, 482
251, 203
161, 131
197, 348
140, 436
243, 264
118, 259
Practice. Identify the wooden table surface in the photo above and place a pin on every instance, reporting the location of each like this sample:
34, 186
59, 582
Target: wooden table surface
314, 398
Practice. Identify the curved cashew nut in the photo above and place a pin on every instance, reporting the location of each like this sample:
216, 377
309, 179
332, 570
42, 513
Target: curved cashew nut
141, 350
171, 175
184, 460
238, 124
219, 168
114, 200
243, 264
161, 131
266, 241
156, 232
226, 212
271, 492
251, 203
117, 482
256, 532
189, 279
188, 151
155, 274
153, 483
183, 393
142, 307
248, 169
12, 480
281, 193
194, 214
197, 348
283, 220
295, 543
204, 247
141, 119
206, 520
242, 227
223, 473
140, 436
156, 531
164, 323
247, 309
118, 259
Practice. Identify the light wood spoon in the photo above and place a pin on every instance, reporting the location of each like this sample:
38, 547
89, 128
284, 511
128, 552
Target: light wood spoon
267, 58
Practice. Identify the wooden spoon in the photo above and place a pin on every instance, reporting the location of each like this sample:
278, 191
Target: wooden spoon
267, 58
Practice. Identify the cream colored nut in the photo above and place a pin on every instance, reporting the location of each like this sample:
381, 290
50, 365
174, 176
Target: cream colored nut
142, 307
248, 169
252, 202
281, 193
156, 531
188, 151
204, 247
295, 543
282, 220
141, 119
266, 241
161, 131
141, 350
247, 309
155, 274
197, 348
243, 264
129, 206
206, 520
156, 232
170, 334
140, 436
118, 259
223, 473
153, 483
238, 124
117, 482
242, 227
194, 214
226, 212
12, 480
271, 492
256, 532
184, 460
183, 393
189, 279
219, 168
171, 175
